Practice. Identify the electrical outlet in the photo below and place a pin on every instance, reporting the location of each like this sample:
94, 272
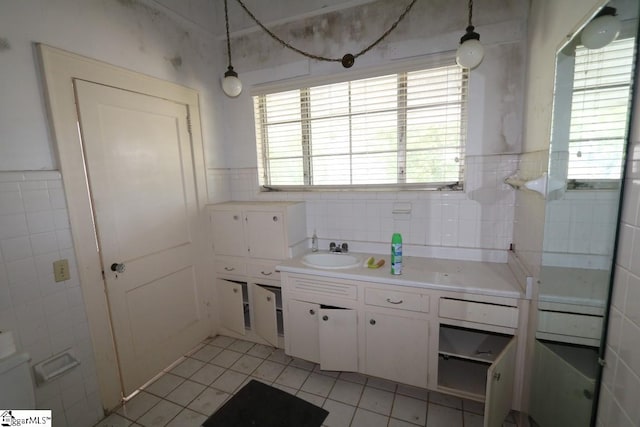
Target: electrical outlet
61, 270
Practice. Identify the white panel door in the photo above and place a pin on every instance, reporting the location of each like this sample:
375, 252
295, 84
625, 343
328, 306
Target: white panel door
230, 305
140, 170
499, 392
302, 339
338, 332
402, 340
264, 312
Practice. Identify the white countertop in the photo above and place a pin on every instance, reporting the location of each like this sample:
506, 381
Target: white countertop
576, 286
483, 278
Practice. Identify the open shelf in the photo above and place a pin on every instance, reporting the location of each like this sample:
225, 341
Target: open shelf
463, 375
470, 344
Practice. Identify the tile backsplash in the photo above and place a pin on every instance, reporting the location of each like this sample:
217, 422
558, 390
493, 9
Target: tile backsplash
474, 224
46, 317
621, 376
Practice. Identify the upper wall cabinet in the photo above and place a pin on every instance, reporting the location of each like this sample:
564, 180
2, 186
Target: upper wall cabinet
258, 230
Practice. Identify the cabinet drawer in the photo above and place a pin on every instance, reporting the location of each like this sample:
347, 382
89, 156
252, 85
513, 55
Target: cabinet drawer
321, 287
478, 312
396, 299
230, 265
578, 325
263, 271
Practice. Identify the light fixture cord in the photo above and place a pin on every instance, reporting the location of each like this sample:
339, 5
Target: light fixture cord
470, 12
318, 57
226, 20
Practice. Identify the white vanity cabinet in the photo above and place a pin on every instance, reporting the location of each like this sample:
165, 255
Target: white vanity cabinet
396, 335
477, 348
320, 327
470, 345
248, 240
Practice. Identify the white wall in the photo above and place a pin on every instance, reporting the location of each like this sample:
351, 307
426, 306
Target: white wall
621, 377
48, 317
128, 33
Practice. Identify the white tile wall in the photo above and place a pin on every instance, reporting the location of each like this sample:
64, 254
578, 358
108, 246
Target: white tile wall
621, 386
46, 317
480, 218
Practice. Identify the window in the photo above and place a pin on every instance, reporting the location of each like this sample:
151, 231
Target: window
599, 111
398, 130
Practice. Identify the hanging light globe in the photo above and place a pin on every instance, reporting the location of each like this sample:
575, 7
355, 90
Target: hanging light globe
602, 30
231, 84
470, 52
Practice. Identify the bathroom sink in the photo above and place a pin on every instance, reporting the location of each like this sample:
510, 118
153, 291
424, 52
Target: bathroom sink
331, 260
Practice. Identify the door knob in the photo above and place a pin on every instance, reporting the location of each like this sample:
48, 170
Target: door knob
325, 318
372, 321
312, 312
117, 267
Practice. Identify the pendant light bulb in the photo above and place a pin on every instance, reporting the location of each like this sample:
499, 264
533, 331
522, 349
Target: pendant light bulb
470, 52
231, 84
602, 30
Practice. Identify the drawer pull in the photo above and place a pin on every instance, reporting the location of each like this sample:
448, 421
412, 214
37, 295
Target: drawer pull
235, 290
235, 217
325, 318
390, 301
269, 298
266, 274
229, 268
372, 321
312, 312
497, 376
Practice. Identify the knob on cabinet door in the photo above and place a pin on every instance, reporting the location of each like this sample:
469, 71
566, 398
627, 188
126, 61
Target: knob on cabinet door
118, 267
325, 318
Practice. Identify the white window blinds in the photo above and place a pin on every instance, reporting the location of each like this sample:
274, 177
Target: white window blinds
599, 111
406, 129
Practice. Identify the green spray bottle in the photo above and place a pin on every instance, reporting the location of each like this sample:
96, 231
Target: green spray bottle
396, 254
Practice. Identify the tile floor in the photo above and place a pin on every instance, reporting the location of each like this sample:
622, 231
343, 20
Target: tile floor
186, 394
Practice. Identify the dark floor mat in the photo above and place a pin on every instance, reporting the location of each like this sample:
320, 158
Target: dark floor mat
260, 405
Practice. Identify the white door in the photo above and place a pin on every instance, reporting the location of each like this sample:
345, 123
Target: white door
338, 336
302, 338
231, 306
388, 337
264, 311
499, 391
138, 155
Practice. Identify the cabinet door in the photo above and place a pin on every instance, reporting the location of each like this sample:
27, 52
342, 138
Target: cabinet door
264, 314
228, 236
561, 393
230, 305
397, 348
266, 235
499, 394
338, 333
302, 337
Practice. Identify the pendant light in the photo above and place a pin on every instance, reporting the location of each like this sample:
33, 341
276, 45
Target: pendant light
602, 30
231, 84
470, 52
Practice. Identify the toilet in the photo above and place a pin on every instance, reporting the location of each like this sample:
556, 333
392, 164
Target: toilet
16, 384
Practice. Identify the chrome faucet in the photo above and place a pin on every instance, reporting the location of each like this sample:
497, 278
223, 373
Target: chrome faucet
342, 248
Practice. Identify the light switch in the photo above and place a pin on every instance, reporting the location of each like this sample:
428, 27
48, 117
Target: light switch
61, 270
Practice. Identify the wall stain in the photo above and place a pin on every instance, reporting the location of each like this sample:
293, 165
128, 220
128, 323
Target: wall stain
4, 44
176, 61
127, 3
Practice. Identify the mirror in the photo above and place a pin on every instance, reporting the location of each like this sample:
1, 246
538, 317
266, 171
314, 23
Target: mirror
586, 157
